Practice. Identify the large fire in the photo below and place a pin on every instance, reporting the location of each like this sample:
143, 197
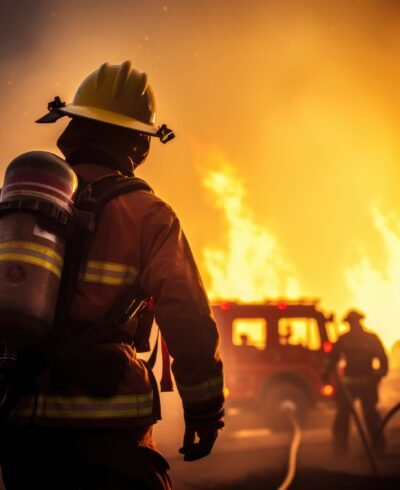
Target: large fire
376, 290
252, 266
303, 94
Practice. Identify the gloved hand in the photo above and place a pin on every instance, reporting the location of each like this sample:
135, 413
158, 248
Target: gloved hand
207, 436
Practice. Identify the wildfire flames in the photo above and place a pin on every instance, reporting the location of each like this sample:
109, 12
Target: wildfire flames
377, 289
251, 267
304, 94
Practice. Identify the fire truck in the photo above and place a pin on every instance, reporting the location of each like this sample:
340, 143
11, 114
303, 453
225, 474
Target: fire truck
274, 352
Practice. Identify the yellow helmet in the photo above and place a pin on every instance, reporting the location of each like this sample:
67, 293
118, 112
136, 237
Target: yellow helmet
114, 94
353, 316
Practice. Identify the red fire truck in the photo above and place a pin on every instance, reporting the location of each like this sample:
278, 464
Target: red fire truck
274, 352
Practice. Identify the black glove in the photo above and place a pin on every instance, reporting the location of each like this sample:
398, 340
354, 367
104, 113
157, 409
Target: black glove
203, 421
207, 436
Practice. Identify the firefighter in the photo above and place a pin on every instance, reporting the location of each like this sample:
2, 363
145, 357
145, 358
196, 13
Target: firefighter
246, 351
88, 424
360, 378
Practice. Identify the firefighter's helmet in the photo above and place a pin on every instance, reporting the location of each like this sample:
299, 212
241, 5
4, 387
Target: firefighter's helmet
353, 316
114, 94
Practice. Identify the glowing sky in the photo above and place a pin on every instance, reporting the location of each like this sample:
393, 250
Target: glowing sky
300, 97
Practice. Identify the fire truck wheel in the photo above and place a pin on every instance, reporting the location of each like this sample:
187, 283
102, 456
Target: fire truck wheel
272, 401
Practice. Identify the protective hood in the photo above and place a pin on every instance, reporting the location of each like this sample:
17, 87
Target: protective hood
86, 141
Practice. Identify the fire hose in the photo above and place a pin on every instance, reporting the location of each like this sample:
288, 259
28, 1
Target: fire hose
384, 423
369, 451
289, 408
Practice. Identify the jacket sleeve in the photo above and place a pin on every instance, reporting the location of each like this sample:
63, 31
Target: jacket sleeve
182, 311
380, 354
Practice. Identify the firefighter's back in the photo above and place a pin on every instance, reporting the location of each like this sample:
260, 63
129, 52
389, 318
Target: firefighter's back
359, 350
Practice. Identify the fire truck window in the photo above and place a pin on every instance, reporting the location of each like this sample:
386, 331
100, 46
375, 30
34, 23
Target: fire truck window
299, 331
250, 332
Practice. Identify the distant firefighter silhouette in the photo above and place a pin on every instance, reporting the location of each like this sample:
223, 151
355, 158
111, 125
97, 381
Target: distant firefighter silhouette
246, 350
359, 350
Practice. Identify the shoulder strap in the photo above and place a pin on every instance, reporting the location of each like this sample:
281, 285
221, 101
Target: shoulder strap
92, 197
119, 187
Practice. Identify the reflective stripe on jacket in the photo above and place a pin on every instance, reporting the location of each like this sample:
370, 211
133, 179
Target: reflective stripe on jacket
138, 237
86, 407
205, 391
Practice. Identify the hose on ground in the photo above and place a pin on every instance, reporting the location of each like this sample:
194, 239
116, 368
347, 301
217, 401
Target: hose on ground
289, 408
384, 423
364, 440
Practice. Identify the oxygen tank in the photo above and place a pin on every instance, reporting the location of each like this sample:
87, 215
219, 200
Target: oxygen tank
36, 204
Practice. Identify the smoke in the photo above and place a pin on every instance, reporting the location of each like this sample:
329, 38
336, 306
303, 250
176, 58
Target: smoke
21, 22
301, 96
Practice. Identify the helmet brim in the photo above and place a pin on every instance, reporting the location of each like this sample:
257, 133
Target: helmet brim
353, 317
50, 117
100, 115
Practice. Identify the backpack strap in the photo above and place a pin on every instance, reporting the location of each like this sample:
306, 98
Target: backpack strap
91, 200
93, 196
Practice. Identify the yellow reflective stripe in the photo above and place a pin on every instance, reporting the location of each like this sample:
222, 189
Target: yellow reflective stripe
110, 281
210, 382
109, 273
83, 407
110, 266
33, 246
30, 259
89, 400
209, 389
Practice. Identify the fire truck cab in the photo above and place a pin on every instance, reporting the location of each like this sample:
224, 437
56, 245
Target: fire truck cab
274, 352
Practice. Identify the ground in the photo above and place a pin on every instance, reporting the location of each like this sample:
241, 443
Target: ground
248, 456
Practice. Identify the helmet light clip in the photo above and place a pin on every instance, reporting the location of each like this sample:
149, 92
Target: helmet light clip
55, 104
165, 134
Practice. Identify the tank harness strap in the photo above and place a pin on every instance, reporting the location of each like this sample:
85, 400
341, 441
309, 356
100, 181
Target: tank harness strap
91, 200
92, 197
47, 209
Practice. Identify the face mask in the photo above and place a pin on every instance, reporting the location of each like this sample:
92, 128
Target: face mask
86, 141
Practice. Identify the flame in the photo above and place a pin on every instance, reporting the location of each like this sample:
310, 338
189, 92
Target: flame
251, 266
377, 289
